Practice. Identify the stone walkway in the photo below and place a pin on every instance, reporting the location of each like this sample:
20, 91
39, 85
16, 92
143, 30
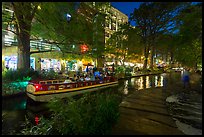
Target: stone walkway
145, 113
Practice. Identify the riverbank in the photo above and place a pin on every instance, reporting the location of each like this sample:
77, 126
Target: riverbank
141, 74
124, 85
146, 112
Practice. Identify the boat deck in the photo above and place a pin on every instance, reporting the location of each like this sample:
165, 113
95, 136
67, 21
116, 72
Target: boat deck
43, 91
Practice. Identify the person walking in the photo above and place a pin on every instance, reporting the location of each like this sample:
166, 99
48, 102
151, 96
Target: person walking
186, 79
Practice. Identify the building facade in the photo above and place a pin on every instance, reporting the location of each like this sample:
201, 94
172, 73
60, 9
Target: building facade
48, 56
44, 55
113, 21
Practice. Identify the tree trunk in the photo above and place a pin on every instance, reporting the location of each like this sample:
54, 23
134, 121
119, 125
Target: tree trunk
167, 58
152, 58
195, 67
24, 13
23, 51
171, 59
100, 62
146, 53
124, 60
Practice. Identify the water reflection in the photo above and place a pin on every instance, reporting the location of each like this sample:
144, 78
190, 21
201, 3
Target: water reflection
144, 82
14, 103
159, 81
32, 109
126, 87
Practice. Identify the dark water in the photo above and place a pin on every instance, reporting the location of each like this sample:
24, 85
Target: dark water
13, 114
15, 109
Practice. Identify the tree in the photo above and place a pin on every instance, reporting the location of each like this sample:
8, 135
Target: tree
190, 36
124, 44
49, 21
154, 19
60, 31
84, 27
21, 21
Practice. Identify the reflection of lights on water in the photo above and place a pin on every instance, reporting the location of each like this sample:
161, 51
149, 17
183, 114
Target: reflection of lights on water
156, 78
159, 80
126, 87
132, 81
162, 80
139, 83
20, 105
23, 105
147, 82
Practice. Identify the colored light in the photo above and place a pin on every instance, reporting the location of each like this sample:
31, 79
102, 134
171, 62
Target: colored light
84, 48
37, 87
36, 120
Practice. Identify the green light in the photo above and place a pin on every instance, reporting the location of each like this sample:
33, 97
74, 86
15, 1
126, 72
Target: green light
20, 84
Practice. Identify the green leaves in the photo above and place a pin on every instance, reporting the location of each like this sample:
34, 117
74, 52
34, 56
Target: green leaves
189, 36
92, 114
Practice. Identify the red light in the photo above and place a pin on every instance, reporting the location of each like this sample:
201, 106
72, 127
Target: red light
36, 120
37, 87
84, 48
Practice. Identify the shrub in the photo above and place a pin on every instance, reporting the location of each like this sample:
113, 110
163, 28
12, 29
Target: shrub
48, 75
13, 87
128, 71
43, 128
18, 75
120, 69
90, 115
15, 81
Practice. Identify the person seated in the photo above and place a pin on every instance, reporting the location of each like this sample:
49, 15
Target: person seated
87, 78
105, 74
101, 77
68, 80
96, 73
81, 78
97, 78
92, 78
75, 78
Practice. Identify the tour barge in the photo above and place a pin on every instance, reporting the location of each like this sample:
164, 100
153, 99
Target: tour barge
44, 91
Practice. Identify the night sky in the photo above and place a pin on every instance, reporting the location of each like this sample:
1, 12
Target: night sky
126, 7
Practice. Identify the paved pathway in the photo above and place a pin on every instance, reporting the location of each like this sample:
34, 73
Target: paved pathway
145, 113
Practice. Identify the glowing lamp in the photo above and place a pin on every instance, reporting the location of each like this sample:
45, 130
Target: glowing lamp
84, 48
37, 87
36, 120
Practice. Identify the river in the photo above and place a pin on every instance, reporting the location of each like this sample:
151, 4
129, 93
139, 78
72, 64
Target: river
185, 107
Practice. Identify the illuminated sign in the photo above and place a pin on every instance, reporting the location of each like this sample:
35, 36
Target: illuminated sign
84, 48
